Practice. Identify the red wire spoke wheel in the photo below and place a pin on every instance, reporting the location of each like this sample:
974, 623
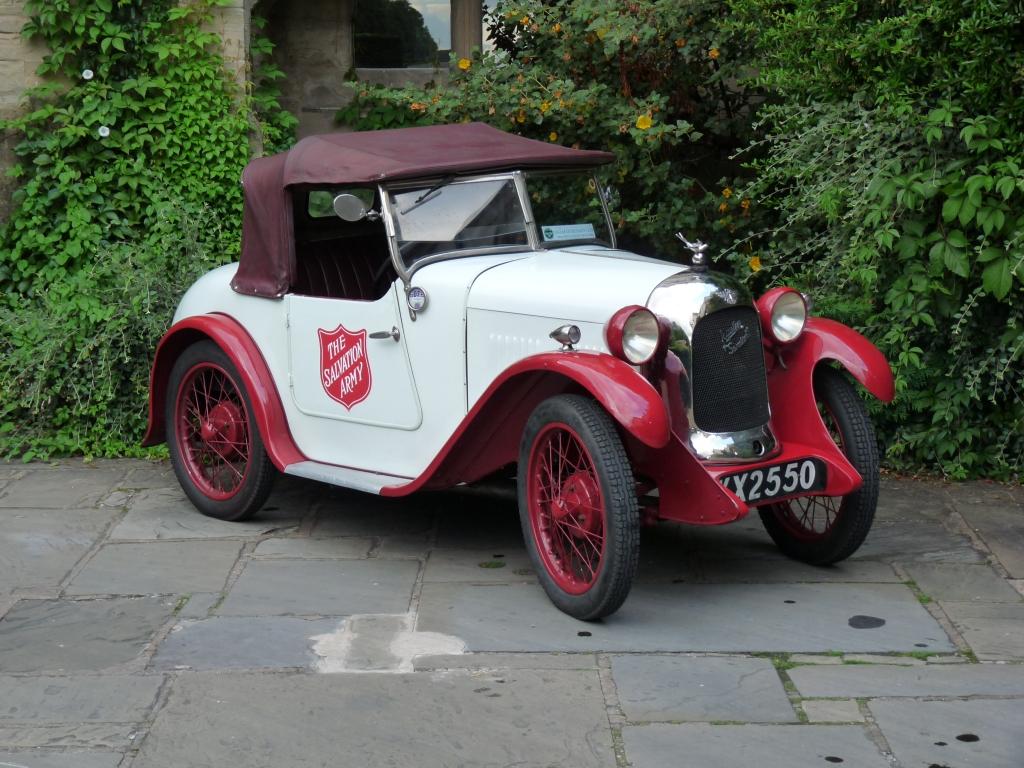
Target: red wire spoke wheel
578, 507
567, 513
216, 449
822, 530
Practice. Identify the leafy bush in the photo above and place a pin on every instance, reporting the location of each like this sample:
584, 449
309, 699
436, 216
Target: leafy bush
130, 162
890, 181
136, 109
652, 81
75, 357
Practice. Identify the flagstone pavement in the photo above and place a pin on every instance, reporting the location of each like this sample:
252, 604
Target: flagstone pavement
340, 629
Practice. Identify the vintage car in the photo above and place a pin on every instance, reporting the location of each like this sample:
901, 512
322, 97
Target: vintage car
425, 307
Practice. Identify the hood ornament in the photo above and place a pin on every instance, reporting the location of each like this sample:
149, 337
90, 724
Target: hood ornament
696, 248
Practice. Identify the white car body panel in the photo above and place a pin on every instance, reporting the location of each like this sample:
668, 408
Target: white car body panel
493, 310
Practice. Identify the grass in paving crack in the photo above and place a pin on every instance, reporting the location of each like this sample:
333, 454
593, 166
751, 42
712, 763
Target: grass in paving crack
922, 598
491, 564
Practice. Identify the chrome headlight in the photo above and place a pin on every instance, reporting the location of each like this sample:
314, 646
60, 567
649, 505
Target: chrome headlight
783, 314
633, 334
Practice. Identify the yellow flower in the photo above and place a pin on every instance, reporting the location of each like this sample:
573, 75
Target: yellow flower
525, 20
552, 136
723, 207
713, 53
557, 28
755, 263
601, 34
521, 117
745, 204
465, 64
727, 193
643, 122
545, 106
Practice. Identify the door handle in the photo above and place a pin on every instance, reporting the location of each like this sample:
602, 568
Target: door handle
392, 334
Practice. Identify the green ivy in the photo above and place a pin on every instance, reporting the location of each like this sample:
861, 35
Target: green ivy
129, 166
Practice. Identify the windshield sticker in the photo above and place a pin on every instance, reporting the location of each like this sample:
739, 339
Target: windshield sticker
344, 366
568, 232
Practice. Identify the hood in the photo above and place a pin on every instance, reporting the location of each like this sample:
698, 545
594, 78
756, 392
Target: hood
584, 284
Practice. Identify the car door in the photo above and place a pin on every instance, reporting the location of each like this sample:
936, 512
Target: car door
348, 362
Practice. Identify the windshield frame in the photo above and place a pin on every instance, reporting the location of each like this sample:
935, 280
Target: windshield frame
599, 190
407, 271
534, 242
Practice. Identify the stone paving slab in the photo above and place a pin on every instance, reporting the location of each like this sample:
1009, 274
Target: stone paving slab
791, 571
39, 547
63, 490
975, 734
478, 523
351, 513
832, 711
1002, 528
921, 501
48, 759
77, 699
321, 588
994, 631
265, 642
170, 567
479, 566
54, 635
508, 661
310, 549
423, 720
906, 542
167, 514
687, 617
700, 688
863, 681
962, 582
97, 736
764, 746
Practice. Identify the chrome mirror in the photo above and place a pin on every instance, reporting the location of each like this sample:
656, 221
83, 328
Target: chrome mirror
350, 208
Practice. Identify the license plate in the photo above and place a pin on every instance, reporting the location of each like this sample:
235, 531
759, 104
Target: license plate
766, 483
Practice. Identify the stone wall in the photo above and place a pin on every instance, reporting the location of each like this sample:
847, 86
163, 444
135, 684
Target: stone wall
18, 62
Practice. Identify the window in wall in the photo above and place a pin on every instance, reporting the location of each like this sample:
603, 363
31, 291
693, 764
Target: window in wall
402, 33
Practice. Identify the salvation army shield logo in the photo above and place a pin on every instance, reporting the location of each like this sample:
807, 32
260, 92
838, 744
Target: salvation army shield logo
344, 366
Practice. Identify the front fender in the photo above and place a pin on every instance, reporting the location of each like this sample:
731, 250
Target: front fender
488, 437
825, 339
237, 344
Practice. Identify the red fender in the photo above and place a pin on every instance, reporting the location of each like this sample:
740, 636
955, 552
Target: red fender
825, 339
488, 437
236, 343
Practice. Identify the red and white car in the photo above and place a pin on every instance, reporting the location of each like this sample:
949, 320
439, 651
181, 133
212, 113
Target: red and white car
424, 307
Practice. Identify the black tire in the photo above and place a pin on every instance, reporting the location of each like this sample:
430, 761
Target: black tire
224, 471
851, 515
574, 584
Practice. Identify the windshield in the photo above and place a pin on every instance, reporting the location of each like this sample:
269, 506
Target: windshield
567, 210
440, 218
449, 216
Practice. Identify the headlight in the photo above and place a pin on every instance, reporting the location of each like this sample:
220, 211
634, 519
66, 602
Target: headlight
633, 334
783, 314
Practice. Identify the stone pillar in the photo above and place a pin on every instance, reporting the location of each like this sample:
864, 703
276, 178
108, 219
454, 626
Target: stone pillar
231, 22
467, 26
18, 62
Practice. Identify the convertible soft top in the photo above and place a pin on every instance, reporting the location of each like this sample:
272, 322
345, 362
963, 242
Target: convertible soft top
267, 262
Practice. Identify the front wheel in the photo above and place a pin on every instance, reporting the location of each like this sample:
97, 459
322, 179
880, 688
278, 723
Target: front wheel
215, 446
822, 530
577, 506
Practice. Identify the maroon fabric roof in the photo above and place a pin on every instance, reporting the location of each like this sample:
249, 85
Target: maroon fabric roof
267, 262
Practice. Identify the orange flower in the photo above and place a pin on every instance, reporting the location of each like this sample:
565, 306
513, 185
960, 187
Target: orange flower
713, 53
525, 20
755, 263
745, 204
557, 28
723, 207
465, 64
681, 42
643, 122
727, 193
552, 136
417, 106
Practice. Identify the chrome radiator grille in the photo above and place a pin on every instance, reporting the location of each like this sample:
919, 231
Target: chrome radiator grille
730, 387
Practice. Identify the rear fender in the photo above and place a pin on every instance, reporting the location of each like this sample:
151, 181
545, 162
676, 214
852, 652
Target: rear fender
237, 344
488, 437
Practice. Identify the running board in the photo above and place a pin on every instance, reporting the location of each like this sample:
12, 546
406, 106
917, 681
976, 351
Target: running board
346, 477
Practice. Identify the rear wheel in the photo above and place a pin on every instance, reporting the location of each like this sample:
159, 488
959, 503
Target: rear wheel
821, 530
578, 507
215, 447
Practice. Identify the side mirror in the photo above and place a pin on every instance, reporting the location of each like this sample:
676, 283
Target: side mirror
349, 208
